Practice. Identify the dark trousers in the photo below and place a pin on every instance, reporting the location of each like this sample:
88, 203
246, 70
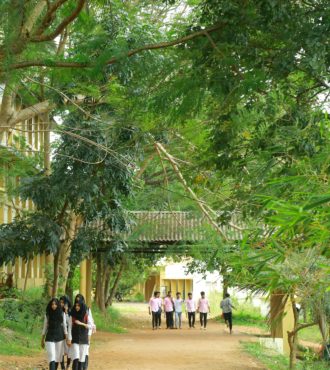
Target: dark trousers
203, 318
156, 319
191, 319
67, 363
229, 318
169, 320
76, 365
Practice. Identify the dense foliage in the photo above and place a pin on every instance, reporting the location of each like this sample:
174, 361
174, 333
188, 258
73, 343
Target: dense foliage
236, 91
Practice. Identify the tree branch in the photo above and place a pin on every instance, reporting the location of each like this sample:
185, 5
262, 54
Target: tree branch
61, 26
49, 16
32, 19
160, 45
202, 207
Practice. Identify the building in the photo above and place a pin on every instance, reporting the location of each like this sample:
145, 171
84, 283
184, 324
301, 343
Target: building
27, 138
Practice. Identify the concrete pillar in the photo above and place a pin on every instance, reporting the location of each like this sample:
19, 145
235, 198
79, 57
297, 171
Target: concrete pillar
89, 286
46, 142
281, 326
83, 275
42, 265
35, 267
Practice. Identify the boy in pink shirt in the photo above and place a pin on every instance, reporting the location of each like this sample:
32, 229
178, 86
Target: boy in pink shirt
169, 309
190, 309
203, 308
155, 308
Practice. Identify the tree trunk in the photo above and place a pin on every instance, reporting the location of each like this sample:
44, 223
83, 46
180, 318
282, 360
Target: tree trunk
115, 284
56, 273
292, 339
99, 283
68, 287
65, 250
26, 274
107, 283
224, 281
292, 335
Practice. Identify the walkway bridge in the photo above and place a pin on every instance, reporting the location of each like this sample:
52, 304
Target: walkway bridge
153, 231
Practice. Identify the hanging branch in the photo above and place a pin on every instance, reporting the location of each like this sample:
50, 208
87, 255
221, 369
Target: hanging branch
200, 204
113, 60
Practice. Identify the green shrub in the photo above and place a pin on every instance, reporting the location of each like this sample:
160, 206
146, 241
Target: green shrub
137, 297
21, 321
6, 292
108, 321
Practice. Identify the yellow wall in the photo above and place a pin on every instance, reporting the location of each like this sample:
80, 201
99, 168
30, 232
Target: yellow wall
281, 324
30, 274
157, 281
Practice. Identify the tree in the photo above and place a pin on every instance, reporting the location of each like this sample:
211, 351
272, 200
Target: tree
85, 184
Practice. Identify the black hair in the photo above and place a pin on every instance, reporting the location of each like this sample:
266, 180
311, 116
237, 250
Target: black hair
169, 292
79, 298
178, 293
79, 315
66, 301
155, 293
189, 293
227, 295
57, 314
203, 293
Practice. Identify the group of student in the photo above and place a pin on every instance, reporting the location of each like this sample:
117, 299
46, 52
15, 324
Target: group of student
173, 309
67, 331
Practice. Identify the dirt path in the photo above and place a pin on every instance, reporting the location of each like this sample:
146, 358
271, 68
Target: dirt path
144, 349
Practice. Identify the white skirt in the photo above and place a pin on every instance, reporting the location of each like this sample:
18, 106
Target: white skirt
78, 351
55, 351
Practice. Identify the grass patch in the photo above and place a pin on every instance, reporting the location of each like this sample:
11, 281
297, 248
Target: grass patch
127, 308
311, 334
110, 321
18, 343
21, 322
275, 361
249, 316
245, 314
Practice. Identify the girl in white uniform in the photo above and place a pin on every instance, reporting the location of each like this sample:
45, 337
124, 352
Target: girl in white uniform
66, 307
79, 326
80, 298
54, 333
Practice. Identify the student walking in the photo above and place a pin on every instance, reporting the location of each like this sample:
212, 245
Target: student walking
178, 302
155, 309
227, 306
79, 326
203, 308
81, 299
54, 333
66, 307
159, 316
191, 309
169, 308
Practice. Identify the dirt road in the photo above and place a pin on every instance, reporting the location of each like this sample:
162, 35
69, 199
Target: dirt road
144, 349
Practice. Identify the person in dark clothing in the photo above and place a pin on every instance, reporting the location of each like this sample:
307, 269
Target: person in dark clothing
169, 310
227, 307
155, 309
191, 310
54, 333
79, 326
203, 308
80, 298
